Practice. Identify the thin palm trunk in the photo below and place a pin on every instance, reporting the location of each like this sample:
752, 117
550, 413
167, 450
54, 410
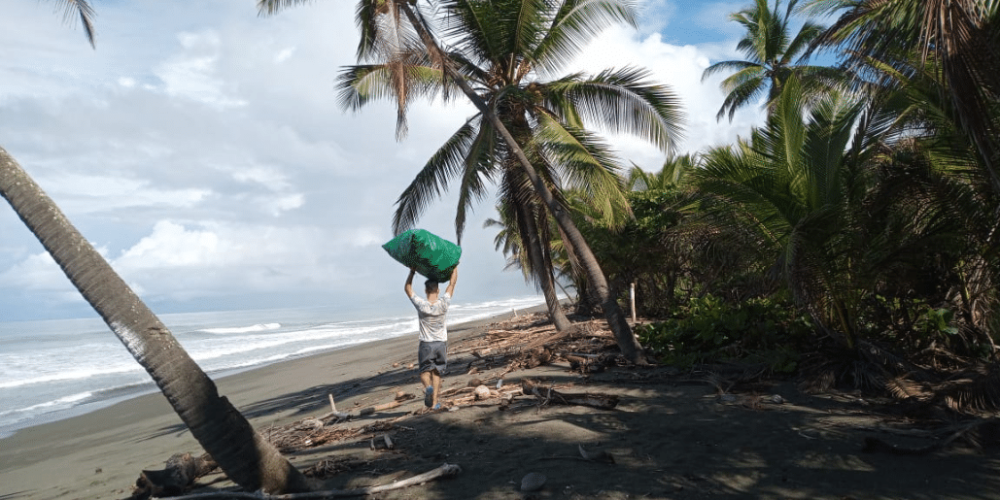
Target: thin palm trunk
543, 272
222, 431
617, 321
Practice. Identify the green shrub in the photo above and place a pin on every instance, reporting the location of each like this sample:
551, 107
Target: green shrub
709, 330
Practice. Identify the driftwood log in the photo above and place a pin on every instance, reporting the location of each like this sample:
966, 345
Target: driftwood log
965, 431
337, 416
446, 470
179, 475
552, 396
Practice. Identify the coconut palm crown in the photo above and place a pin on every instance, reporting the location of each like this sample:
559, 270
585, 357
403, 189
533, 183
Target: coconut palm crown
772, 55
504, 49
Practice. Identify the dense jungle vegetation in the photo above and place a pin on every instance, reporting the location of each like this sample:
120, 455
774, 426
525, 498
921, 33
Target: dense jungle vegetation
852, 238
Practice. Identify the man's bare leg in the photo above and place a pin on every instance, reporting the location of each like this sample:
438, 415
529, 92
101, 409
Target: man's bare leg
436, 379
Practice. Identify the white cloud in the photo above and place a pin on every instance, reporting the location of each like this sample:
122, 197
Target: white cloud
37, 272
172, 245
40, 272
268, 177
193, 74
277, 206
83, 193
284, 55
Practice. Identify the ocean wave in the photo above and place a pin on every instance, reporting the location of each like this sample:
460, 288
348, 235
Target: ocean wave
73, 375
64, 401
205, 351
260, 327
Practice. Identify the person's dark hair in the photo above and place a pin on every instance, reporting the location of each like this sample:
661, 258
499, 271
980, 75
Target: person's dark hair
430, 286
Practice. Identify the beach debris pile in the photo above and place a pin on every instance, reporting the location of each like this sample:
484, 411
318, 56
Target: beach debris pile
530, 341
523, 342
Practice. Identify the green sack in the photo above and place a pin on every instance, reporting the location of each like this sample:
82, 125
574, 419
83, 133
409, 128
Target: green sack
430, 255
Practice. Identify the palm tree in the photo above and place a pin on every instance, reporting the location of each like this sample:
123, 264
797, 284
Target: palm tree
562, 31
943, 56
533, 258
245, 456
796, 182
848, 214
769, 50
961, 37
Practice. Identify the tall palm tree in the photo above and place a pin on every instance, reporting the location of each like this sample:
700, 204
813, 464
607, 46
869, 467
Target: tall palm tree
573, 21
771, 54
545, 117
246, 457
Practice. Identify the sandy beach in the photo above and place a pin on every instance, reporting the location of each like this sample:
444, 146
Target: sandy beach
672, 435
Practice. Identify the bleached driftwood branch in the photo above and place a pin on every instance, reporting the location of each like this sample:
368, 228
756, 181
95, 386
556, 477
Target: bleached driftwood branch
445, 470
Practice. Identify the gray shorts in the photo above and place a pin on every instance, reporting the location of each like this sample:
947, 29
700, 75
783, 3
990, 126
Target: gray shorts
433, 356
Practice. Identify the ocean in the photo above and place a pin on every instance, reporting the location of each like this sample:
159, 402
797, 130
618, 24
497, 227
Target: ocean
55, 369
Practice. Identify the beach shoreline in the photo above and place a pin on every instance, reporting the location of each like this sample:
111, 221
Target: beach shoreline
68, 386
268, 395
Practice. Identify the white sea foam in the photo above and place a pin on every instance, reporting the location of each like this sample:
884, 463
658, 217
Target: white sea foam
65, 376
263, 327
63, 402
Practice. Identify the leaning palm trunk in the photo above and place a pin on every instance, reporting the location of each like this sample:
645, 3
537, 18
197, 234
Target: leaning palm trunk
222, 431
626, 340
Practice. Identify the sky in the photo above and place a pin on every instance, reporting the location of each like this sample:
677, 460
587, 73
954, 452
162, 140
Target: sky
201, 149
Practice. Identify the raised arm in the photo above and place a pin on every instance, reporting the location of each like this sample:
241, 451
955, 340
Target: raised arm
408, 288
451, 282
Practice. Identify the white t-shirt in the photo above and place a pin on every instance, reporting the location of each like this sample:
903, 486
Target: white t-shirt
432, 317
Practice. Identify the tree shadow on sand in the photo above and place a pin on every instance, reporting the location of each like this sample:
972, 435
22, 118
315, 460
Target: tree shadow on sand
669, 438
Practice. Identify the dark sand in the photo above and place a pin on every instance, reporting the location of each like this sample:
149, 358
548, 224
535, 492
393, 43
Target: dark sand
672, 436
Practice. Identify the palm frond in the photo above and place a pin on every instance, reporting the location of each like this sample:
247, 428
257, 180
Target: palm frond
81, 9
433, 178
400, 81
479, 28
480, 164
588, 165
576, 24
729, 66
622, 102
742, 88
272, 7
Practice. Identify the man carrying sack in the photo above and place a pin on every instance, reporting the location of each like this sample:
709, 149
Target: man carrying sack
437, 259
432, 353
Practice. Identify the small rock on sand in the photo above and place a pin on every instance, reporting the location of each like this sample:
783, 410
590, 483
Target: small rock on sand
533, 481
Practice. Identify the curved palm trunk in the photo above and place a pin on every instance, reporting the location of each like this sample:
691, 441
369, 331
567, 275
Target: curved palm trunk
617, 321
542, 270
222, 431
